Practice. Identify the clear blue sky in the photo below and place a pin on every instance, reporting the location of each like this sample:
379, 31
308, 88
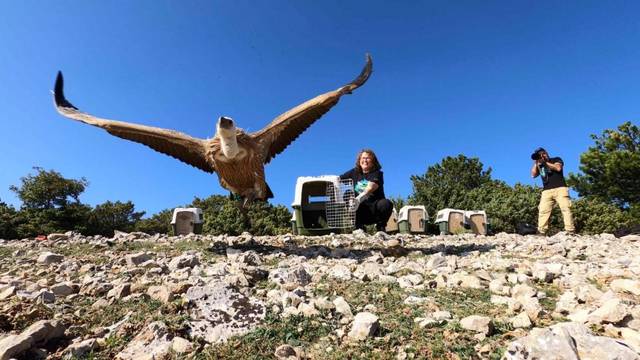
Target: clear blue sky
489, 79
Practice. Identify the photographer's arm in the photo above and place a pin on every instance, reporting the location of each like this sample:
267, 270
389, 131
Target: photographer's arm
555, 166
534, 169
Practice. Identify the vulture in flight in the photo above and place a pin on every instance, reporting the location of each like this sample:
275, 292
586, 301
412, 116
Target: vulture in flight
238, 157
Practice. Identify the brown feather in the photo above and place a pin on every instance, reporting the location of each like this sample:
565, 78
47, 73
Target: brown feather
240, 176
173, 143
284, 129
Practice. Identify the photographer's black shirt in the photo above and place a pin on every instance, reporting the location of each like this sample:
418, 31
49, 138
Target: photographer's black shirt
552, 179
360, 182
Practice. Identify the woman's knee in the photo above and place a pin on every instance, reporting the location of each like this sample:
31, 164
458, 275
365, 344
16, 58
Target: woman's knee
384, 206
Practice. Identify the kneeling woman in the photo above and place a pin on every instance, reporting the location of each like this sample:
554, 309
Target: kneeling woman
368, 181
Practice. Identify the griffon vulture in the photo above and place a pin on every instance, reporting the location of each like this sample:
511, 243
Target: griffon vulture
238, 157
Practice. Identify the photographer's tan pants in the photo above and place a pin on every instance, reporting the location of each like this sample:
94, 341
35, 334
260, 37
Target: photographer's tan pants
549, 197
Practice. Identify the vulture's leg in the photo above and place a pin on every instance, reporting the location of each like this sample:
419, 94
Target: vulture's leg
243, 204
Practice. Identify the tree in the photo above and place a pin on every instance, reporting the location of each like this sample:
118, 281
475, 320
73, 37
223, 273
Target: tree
222, 216
611, 168
447, 184
592, 215
50, 203
159, 223
8, 221
110, 216
48, 190
398, 202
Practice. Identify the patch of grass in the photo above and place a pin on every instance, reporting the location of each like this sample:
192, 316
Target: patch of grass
581, 257
142, 312
6, 251
599, 285
398, 328
553, 293
172, 249
262, 342
28, 314
86, 253
6, 257
403, 272
496, 354
465, 302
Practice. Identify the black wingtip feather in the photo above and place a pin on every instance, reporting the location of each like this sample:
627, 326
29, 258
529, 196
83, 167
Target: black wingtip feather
364, 75
58, 93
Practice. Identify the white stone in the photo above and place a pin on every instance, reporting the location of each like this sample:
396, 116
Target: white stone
342, 306
626, 285
181, 345
567, 341
521, 321
62, 289
7, 292
308, 310
365, 324
50, 258
81, 348
340, 272
39, 332
137, 258
612, 311
160, 293
150, 344
480, 324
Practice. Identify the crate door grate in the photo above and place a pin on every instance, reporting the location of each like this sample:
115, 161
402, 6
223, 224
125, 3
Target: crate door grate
339, 212
456, 222
478, 224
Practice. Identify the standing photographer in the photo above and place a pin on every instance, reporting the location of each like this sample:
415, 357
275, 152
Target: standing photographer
555, 190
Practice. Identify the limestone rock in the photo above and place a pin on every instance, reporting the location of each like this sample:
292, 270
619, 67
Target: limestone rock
150, 344
8, 292
479, 324
365, 324
81, 348
626, 285
183, 261
119, 291
181, 345
342, 306
137, 258
567, 341
38, 333
219, 312
297, 276
48, 258
285, 352
521, 321
160, 293
340, 272
611, 312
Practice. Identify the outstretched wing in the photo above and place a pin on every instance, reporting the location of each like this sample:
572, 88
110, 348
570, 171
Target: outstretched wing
173, 143
281, 132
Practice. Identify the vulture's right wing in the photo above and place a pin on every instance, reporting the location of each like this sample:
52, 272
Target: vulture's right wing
173, 143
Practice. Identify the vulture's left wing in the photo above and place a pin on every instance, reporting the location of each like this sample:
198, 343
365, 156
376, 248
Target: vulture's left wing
281, 132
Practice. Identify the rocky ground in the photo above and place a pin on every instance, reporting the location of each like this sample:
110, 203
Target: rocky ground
136, 296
